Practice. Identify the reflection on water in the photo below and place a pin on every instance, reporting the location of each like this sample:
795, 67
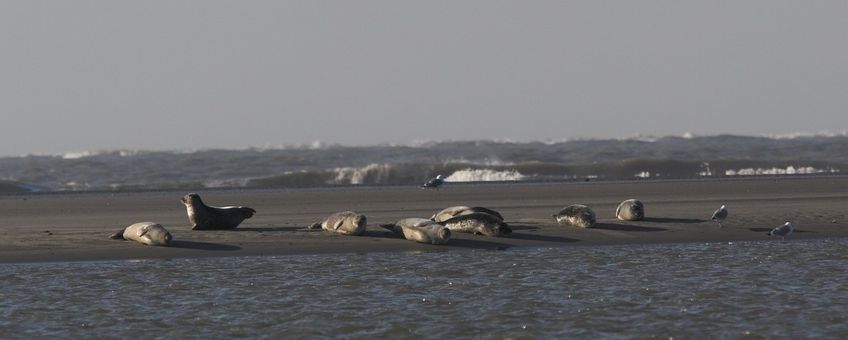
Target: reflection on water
793, 288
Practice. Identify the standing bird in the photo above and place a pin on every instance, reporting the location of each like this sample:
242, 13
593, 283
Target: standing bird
434, 183
719, 215
782, 231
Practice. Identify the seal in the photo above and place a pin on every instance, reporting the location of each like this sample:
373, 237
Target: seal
149, 233
345, 223
204, 217
420, 230
630, 210
577, 215
451, 212
478, 223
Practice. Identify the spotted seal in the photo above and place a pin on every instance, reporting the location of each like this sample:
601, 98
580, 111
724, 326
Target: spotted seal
577, 215
451, 212
420, 230
630, 210
345, 223
478, 223
204, 217
149, 233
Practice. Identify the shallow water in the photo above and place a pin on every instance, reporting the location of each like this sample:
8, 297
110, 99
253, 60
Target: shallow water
739, 289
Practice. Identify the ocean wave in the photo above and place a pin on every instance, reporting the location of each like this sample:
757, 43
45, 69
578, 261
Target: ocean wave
789, 170
373, 173
484, 175
797, 135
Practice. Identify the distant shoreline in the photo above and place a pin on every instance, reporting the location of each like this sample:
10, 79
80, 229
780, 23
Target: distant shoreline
74, 226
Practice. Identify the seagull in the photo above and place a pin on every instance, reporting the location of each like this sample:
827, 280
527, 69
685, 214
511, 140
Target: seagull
782, 231
434, 183
719, 215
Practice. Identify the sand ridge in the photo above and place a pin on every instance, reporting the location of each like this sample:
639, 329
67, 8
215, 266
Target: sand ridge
76, 226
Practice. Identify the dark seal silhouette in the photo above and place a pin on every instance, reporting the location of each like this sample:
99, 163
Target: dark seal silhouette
204, 217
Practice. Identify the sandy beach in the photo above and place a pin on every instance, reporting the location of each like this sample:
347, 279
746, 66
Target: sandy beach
76, 226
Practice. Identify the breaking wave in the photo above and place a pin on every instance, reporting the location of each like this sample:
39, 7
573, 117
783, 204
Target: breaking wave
320, 165
484, 175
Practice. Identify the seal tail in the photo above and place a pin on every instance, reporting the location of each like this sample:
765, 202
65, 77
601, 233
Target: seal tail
118, 236
316, 225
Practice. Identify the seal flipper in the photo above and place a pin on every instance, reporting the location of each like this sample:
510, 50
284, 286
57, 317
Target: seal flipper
118, 236
338, 224
316, 225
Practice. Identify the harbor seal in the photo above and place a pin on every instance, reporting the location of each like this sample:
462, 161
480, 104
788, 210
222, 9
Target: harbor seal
478, 223
420, 230
345, 223
782, 231
204, 217
451, 212
630, 210
149, 233
577, 215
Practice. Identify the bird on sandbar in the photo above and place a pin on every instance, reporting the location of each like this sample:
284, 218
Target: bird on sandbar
782, 231
434, 183
720, 215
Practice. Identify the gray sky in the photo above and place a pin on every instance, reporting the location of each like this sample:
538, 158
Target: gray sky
93, 75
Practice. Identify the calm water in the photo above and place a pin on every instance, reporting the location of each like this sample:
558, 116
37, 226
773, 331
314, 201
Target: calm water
756, 289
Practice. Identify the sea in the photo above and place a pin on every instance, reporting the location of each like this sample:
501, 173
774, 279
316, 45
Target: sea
775, 289
327, 165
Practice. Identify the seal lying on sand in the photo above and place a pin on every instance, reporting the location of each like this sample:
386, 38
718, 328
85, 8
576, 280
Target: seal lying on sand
451, 212
577, 215
630, 210
204, 217
478, 223
420, 230
149, 233
345, 223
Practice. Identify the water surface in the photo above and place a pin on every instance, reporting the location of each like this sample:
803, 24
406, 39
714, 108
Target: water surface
757, 289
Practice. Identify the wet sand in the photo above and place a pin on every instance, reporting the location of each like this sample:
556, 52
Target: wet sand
76, 226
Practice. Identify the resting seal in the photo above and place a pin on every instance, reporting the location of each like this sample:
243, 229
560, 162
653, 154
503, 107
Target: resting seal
577, 215
420, 230
345, 223
630, 210
451, 212
478, 223
204, 217
149, 233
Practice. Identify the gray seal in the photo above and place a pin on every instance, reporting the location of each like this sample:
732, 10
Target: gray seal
149, 233
420, 230
577, 215
451, 212
345, 223
477, 223
630, 210
204, 217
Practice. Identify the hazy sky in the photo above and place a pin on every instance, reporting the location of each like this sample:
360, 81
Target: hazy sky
92, 75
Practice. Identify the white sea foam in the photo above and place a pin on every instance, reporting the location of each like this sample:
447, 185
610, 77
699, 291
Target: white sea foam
348, 175
226, 183
804, 134
484, 175
789, 170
